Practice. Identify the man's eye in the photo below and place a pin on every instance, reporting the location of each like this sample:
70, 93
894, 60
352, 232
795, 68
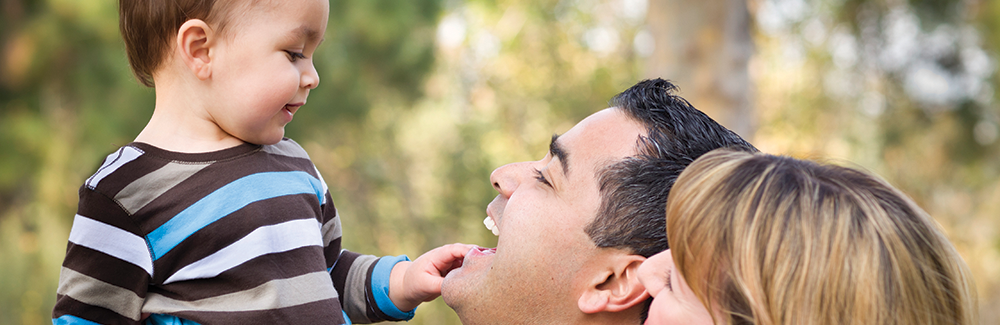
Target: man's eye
293, 56
541, 178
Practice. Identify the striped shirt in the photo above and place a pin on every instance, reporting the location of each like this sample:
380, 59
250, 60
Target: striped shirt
238, 236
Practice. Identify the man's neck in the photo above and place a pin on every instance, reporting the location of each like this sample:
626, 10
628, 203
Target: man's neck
627, 317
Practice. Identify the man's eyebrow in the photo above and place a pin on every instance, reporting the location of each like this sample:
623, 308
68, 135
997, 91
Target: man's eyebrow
557, 151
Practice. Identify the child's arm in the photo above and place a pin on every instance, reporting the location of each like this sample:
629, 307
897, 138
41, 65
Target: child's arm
106, 269
411, 283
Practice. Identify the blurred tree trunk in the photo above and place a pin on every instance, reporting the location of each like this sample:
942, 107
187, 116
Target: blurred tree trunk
704, 47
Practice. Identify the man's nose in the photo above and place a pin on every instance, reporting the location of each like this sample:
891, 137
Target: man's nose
506, 178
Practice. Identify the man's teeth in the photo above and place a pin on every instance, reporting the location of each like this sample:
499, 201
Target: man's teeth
491, 225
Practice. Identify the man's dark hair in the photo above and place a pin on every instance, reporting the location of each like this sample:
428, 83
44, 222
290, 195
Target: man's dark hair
634, 191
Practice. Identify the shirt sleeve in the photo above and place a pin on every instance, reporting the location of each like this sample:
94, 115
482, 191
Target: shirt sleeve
107, 268
361, 281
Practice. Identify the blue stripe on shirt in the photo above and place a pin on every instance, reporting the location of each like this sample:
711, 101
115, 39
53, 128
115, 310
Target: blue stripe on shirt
229, 199
346, 319
163, 319
70, 319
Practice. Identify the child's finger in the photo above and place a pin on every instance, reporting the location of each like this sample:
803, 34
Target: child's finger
449, 257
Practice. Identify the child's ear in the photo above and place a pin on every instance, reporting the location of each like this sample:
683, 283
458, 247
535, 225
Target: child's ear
194, 43
615, 289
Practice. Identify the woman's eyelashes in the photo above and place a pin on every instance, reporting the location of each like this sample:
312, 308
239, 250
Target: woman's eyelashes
541, 178
669, 276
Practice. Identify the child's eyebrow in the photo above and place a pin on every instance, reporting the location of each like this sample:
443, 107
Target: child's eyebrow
309, 33
306, 33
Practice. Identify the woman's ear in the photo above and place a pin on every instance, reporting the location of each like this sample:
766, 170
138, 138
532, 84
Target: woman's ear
616, 289
195, 40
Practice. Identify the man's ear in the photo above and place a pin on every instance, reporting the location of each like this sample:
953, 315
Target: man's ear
194, 46
615, 288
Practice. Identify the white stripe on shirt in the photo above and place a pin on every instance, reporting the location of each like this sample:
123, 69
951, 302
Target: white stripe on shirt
277, 238
112, 162
111, 240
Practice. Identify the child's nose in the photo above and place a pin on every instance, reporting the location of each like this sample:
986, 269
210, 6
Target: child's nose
310, 78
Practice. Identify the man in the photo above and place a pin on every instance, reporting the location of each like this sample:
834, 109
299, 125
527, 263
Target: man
575, 226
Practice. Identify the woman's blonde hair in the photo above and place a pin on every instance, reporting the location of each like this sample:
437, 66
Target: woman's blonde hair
776, 240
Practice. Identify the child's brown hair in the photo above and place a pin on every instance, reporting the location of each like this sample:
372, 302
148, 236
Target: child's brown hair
149, 26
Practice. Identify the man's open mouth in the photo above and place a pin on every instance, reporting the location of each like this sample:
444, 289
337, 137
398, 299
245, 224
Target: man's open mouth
491, 225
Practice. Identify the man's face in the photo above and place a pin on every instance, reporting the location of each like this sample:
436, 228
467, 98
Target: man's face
543, 256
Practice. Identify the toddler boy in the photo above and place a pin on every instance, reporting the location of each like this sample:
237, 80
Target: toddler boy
211, 216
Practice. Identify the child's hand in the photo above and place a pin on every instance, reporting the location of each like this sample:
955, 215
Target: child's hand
411, 283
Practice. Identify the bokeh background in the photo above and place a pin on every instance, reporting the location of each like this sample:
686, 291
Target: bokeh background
421, 99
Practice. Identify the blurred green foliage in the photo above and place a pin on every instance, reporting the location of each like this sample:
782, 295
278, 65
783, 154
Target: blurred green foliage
420, 100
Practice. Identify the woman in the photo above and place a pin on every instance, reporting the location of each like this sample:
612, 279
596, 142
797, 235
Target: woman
763, 239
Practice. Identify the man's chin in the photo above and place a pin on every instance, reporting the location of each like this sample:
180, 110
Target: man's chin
469, 301
464, 286
460, 293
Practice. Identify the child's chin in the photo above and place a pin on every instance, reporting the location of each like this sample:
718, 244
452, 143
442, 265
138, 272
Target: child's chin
265, 141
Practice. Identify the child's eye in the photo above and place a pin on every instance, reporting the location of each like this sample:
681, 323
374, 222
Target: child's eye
293, 56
